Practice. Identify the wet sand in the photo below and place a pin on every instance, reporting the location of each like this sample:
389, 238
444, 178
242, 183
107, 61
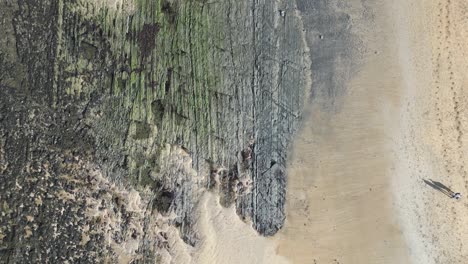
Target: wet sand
340, 204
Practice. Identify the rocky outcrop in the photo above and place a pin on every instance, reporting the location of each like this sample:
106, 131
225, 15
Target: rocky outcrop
271, 104
105, 104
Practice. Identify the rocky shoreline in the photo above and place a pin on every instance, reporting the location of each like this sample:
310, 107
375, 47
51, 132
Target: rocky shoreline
162, 100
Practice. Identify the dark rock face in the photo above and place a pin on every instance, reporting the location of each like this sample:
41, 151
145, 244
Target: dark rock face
270, 91
117, 116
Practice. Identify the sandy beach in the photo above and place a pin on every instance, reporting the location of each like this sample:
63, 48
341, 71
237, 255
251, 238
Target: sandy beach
433, 132
359, 178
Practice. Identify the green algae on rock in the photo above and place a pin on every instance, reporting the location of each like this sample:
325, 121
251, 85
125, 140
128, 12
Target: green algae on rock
134, 91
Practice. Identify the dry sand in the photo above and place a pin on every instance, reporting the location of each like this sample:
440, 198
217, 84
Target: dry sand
433, 130
356, 191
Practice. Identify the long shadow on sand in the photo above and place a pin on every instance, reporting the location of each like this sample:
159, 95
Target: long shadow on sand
440, 187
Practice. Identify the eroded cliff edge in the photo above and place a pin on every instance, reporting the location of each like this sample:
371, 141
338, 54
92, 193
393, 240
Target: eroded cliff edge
116, 116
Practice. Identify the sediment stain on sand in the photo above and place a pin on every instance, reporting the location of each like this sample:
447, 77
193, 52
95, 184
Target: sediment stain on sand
340, 204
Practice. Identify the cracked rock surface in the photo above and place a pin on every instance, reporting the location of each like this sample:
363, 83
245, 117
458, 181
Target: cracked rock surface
115, 116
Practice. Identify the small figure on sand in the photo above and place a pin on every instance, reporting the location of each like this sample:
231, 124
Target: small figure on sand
443, 189
456, 196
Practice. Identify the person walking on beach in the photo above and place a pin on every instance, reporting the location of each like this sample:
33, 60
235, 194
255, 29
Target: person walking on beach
456, 196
